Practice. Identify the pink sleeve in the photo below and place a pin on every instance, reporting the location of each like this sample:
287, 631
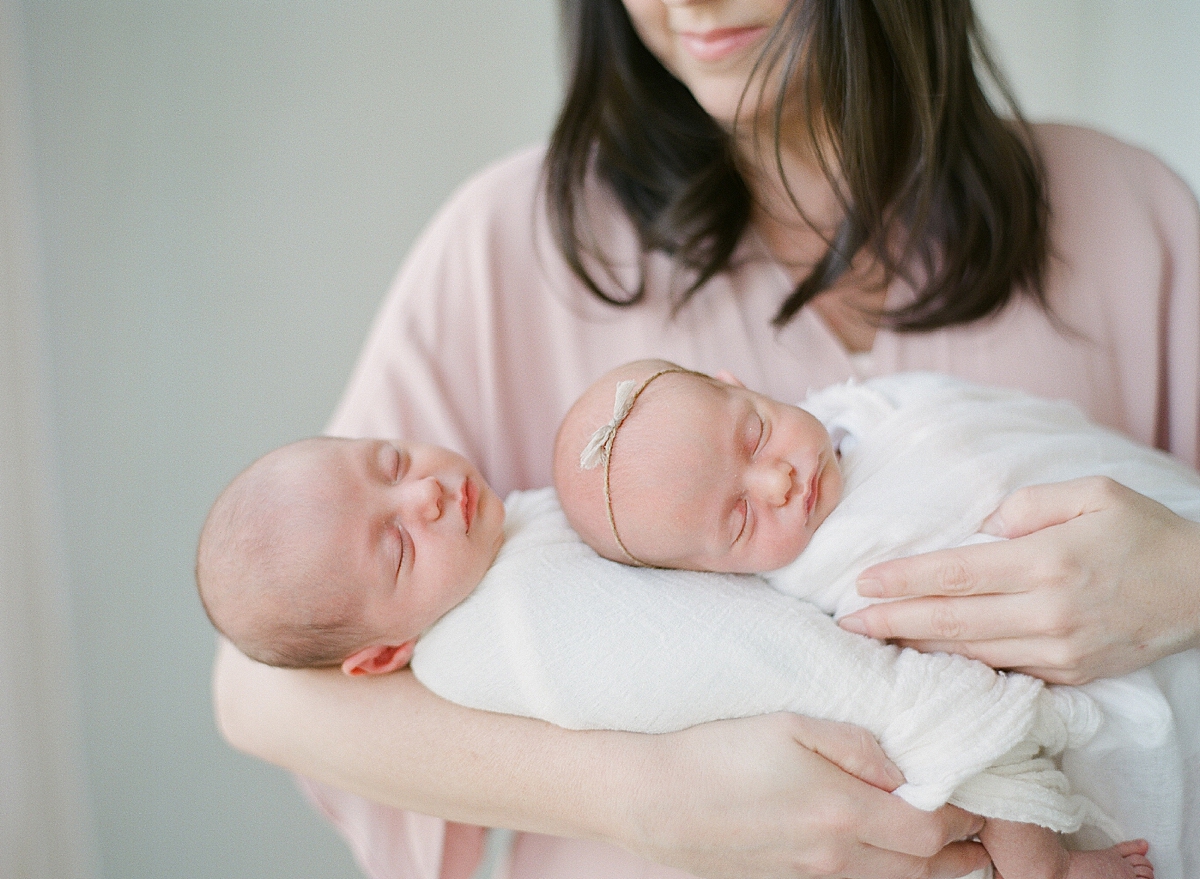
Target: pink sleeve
1126, 257
387, 843
391, 843
1149, 267
1179, 431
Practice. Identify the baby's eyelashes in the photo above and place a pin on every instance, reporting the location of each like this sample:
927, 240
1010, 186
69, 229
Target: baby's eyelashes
400, 466
741, 521
396, 541
759, 436
390, 462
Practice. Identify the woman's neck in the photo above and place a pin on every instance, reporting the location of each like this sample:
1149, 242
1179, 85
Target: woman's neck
796, 222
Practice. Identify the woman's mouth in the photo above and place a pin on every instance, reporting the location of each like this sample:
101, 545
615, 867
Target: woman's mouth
717, 44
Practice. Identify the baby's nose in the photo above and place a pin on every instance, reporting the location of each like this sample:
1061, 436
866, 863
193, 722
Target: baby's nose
423, 499
772, 482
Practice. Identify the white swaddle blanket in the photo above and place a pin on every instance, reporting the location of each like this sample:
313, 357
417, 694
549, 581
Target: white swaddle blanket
558, 633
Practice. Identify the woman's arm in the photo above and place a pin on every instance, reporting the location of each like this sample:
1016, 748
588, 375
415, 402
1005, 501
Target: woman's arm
1096, 580
766, 796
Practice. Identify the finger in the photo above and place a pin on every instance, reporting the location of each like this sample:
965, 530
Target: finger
1001, 653
968, 570
1132, 847
1056, 674
851, 748
956, 859
1011, 654
1036, 507
887, 822
969, 618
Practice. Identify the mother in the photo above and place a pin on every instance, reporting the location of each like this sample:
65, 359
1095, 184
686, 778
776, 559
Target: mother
799, 192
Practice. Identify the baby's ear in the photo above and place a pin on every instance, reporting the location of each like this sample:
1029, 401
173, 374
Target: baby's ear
728, 377
380, 659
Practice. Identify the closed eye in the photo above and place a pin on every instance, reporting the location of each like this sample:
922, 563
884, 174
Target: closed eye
401, 555
764, 433
396, 464
388, 462
741, 520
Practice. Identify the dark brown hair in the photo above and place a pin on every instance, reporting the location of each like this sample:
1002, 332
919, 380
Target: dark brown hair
936, 187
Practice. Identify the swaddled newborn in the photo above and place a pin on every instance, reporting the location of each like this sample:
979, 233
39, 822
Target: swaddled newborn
662, 467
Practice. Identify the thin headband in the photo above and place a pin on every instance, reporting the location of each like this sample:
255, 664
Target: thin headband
599, 448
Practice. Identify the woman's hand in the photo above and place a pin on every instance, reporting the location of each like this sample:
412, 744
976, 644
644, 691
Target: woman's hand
1095, 581
789, 796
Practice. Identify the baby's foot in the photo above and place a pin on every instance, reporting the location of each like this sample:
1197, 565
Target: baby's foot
1125, 860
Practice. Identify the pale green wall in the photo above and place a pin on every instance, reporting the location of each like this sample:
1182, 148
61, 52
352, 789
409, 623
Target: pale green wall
225, 189
1127, 67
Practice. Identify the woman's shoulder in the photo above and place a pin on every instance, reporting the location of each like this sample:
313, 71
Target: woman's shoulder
497, 189
1117, 212
491, 228
1089, 164
1070, 140
518, 170
500, 214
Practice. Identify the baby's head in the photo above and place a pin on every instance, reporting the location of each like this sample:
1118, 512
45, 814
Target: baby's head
660, 466
341, 552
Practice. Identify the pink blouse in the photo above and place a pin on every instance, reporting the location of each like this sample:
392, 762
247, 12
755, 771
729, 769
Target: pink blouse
487, 337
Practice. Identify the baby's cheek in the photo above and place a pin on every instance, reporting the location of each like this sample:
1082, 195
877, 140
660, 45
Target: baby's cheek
781, 547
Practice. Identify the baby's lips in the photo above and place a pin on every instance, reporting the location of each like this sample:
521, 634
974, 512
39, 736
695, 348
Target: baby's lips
812, 490
468, 497
465, 503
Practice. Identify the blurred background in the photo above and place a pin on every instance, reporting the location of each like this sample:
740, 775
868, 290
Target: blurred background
201, 205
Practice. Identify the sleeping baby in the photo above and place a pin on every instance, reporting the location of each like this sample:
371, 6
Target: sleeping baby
711, 476
339, 552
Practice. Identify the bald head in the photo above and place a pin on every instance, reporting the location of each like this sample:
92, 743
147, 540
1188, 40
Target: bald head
263, 571
582, 489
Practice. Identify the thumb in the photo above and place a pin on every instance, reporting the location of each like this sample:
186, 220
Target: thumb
1036, 507
851, 748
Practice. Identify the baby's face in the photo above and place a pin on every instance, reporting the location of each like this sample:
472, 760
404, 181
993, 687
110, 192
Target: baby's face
411, 529
711, 476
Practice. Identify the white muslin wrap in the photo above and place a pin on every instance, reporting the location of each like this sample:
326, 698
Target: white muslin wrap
558, 633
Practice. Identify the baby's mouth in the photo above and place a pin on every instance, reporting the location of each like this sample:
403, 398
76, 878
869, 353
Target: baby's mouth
468, 498
810, 498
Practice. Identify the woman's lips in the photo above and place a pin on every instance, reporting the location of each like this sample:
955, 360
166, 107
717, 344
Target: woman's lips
719, 43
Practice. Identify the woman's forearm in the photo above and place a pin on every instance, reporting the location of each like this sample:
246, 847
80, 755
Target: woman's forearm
773, 796
390, 740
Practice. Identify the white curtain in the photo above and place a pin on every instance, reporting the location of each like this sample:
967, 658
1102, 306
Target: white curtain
43, 820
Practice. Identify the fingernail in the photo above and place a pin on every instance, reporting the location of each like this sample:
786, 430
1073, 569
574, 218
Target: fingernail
895, 774
870, 588
993, 526
853, 624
